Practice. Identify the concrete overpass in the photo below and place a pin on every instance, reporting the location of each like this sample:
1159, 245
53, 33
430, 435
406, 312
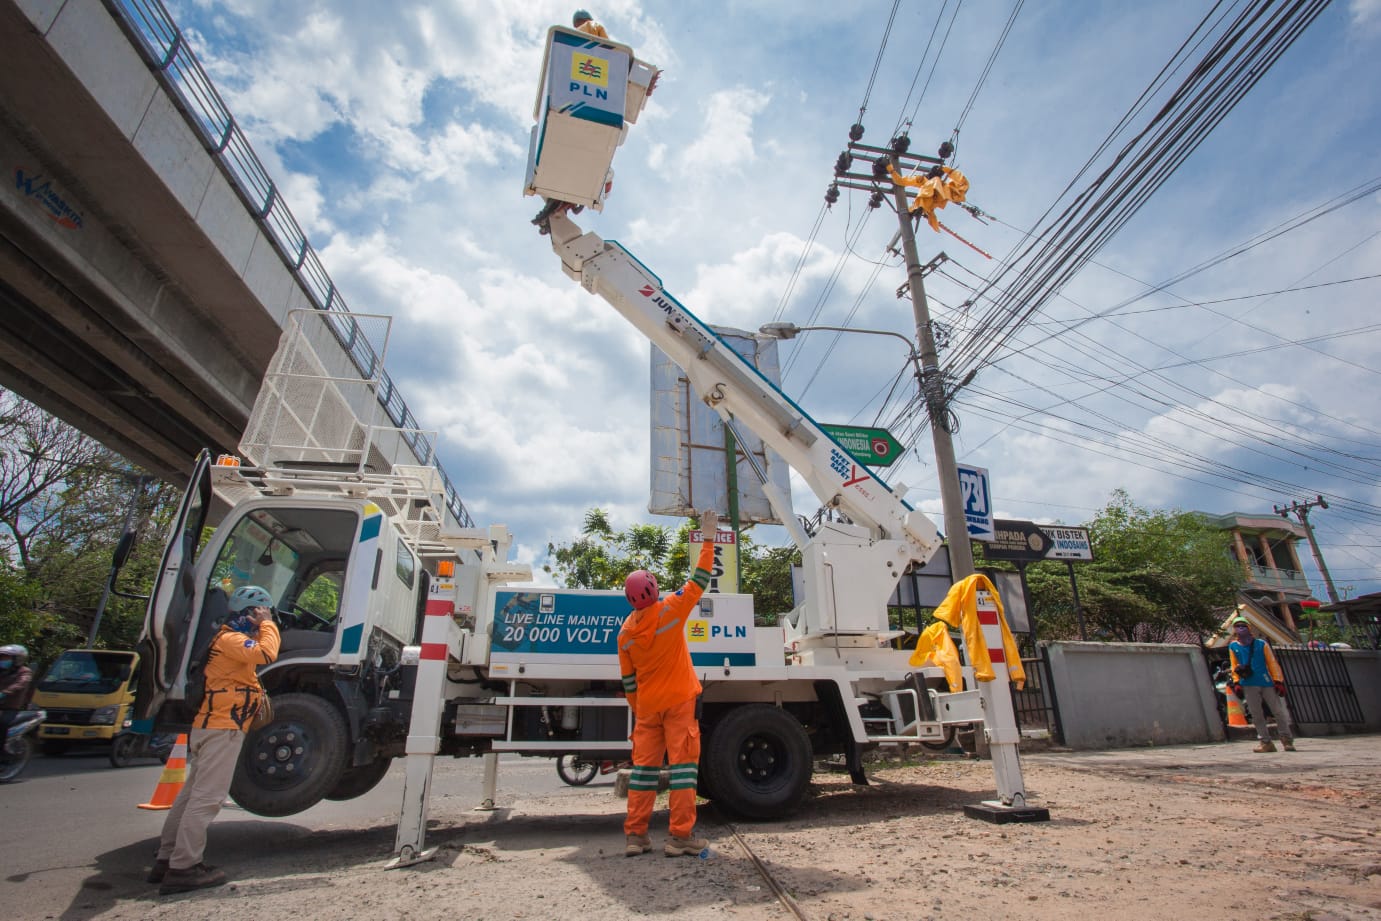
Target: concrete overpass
147, 263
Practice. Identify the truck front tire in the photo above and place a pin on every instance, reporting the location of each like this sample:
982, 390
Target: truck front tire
293, 762
759, 762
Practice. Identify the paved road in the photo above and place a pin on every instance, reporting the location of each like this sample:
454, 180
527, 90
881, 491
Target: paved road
72, 822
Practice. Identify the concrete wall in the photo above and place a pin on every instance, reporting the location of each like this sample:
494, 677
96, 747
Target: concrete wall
1364, 668
1115, 695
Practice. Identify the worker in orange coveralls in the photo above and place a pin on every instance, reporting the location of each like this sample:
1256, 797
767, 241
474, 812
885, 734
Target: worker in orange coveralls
661, 688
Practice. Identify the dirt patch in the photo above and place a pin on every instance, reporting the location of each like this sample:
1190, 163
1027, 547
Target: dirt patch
1172, 833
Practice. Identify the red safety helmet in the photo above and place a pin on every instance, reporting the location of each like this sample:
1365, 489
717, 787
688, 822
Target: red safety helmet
640, 588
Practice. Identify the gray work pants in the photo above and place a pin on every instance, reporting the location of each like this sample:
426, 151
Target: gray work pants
211, 757
1255, 697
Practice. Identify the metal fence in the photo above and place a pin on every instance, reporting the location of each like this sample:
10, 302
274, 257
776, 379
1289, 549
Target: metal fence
1319, 686
1035, 704
154, 33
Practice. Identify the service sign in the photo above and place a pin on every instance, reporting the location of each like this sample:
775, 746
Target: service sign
978, 505
724, 570
575, 627
1068, 543
587, 78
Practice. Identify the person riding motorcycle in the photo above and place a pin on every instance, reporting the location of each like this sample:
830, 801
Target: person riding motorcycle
16, 682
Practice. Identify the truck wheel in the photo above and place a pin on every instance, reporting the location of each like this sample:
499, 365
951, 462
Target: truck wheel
357, 781
703, 789
945, 744
123, 750
759, 762
294, 761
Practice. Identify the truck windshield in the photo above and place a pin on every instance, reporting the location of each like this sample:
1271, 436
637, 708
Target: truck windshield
87, 671
283, 550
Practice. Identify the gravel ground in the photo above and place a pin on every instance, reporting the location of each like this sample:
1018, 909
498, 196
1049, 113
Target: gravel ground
1153, 833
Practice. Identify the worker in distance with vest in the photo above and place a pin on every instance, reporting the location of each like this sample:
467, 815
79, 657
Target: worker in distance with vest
660, 685
1258, 673
233, 697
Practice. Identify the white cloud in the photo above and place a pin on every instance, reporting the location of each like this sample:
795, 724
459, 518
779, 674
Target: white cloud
725, 142
398, 137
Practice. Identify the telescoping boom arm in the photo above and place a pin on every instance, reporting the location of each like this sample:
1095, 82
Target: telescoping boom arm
851, 570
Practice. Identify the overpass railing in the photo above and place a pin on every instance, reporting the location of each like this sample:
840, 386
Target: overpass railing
160, 42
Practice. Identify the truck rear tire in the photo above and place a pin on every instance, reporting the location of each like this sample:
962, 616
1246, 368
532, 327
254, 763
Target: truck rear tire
293, 762
759, 762
357, 781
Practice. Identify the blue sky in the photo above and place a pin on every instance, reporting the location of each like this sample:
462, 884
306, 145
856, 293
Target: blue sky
399, 140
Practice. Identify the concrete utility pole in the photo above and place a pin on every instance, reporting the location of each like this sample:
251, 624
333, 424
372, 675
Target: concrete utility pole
1301, 510
933, 390
929, 378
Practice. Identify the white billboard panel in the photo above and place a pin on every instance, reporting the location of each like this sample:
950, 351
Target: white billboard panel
689, 471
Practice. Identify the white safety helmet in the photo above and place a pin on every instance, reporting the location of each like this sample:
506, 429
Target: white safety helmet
249, 596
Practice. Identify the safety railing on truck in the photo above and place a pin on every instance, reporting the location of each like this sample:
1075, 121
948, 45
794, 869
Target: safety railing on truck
161, 43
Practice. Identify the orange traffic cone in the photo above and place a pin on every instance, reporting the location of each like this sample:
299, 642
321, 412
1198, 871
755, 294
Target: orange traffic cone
173, 777
1236, 715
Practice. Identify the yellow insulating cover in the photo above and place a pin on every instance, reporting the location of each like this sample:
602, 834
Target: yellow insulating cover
934, 647
960, 610
933, 194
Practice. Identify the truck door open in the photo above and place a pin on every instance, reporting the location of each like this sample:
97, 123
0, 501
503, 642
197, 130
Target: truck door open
173, 602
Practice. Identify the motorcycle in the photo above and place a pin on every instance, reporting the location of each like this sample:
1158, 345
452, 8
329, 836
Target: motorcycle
1221, 678
128, 746
578, 770
19, 743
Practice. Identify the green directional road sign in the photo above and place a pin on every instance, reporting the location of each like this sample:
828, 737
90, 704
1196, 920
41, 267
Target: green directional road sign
871, 447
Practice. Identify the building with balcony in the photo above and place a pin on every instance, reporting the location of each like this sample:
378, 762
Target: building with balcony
1265, 545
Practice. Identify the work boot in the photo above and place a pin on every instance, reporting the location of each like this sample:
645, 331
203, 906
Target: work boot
1287, 744
684, 847
160, 870
198, 877
637, 844
1265, 747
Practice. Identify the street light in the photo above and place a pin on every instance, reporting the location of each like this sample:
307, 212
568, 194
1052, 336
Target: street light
791, 331
956, 528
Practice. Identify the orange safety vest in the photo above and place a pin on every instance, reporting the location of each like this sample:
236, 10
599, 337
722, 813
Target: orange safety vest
653, 656
232, 680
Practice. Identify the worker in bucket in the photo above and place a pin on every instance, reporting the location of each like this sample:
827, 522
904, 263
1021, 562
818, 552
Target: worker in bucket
662, 691
233, 699
584, 22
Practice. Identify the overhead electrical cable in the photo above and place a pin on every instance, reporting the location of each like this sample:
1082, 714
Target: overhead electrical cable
1233, 64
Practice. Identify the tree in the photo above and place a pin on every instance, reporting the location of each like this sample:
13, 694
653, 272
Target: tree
63, 499
1153, 572
39, 456
603, 557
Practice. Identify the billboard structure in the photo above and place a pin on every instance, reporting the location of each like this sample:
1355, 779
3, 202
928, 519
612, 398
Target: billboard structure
689, 469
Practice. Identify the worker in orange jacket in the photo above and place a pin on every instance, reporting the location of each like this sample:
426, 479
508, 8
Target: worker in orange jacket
660, 685
233, 697
584, 22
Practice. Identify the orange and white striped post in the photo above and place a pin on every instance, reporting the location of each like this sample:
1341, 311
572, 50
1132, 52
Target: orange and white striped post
171, 780
424, 731
1000, 718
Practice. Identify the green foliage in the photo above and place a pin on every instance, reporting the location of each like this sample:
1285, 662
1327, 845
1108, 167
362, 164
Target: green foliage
1153, 572
63, 502
603, 557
